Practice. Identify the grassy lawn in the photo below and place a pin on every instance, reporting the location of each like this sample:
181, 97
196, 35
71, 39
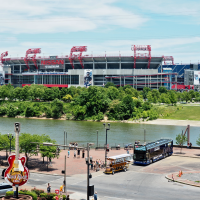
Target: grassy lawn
185, 112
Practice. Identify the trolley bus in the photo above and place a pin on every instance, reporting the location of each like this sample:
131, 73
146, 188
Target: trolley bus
118, 163
148, 153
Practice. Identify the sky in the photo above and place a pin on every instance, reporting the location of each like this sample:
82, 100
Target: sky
171, 27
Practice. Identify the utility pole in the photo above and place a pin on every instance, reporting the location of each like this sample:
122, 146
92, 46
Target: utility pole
88, 172
64, 140
97, 138
65, 188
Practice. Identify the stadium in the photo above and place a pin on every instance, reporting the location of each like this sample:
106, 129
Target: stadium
139, 70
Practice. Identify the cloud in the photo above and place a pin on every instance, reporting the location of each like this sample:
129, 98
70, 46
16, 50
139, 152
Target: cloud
170, 7
24, 16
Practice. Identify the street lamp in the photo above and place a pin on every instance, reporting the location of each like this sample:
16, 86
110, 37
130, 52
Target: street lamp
107, 149
10, 137
90, 188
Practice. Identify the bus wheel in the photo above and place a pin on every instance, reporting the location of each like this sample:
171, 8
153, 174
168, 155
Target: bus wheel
113, 172
125, 169
151, 161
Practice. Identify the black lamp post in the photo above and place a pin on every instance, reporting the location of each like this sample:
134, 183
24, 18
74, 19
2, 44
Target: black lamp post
107, 128
90, 188
10, 137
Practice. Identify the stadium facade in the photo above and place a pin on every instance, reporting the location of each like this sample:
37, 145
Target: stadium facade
139, 70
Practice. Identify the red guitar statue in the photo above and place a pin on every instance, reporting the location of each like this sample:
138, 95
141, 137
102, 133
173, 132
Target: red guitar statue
17, 173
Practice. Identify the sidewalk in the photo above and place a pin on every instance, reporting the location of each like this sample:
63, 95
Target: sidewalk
190, 177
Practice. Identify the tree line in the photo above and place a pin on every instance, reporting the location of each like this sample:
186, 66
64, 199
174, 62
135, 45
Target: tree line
30, 144
93, 103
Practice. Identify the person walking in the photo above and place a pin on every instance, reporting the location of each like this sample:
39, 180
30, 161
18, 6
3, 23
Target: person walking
95, 196
83, 153
61, 189
68, 153
74, 153
48, 188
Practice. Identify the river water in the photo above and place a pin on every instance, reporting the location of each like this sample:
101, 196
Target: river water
83, 131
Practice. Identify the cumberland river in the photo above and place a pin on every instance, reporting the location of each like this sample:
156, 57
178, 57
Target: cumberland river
83, 132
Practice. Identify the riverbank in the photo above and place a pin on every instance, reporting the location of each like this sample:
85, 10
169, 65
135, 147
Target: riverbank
154, 122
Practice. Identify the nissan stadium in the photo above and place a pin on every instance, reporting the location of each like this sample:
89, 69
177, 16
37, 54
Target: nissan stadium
139, 70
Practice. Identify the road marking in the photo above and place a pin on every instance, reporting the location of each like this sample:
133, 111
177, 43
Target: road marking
116, 198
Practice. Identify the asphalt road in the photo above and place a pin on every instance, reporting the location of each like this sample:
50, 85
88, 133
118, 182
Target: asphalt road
138, 182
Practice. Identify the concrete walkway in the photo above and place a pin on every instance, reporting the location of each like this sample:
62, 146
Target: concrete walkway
189, 177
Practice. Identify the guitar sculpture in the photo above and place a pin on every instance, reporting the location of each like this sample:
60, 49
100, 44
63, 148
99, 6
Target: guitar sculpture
17, 173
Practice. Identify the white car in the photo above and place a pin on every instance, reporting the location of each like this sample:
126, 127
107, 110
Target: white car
5, 187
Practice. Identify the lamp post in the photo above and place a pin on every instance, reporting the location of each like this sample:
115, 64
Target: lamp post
107, 128
90, 189
10, 137
97, 138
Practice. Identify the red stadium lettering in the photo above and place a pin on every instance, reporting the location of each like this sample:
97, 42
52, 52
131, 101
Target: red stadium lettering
52, 62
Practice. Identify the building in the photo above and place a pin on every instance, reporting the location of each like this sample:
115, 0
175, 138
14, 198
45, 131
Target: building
139, 70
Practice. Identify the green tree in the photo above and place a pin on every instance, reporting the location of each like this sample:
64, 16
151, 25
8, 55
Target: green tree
67, 98
172, 97
109, 84
30, 111
145, 92
5, 143
4, 92
181, 140
57, 108
11, 111
25, 94
17, 93
162, 89
186, 96
198, 141
112, 92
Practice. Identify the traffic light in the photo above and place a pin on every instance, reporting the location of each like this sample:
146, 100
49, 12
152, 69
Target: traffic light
107, 150
17, 126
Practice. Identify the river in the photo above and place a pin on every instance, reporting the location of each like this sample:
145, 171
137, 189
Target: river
83, 131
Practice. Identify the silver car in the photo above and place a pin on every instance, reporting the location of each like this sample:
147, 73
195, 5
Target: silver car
5, 187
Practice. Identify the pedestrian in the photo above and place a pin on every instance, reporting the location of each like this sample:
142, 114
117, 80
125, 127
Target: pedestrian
48, 188
68, 153
91, 165
61, 189
95, 196
68, 197
99, 163
83, 153
127, 151
190, 145
94, 166
74, 153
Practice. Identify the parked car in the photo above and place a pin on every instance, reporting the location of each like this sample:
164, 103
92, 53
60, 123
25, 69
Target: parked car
128, 145
5, 187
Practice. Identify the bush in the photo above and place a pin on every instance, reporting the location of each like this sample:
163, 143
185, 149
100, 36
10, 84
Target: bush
48, 196
24, 190
100, 116
11, 111
48, 113
9, 193
30, 111
38, 192
33, 194
3, 110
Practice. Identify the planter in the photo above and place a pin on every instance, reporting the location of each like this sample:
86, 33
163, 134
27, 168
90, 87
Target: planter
21, 197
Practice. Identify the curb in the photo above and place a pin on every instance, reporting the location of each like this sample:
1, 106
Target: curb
181, 182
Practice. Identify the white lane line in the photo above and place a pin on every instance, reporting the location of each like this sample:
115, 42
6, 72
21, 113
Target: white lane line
116, 198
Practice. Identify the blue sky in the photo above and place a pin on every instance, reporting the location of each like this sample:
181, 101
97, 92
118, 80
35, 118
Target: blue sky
171, 27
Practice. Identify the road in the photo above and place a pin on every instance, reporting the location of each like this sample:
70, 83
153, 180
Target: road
139, 182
